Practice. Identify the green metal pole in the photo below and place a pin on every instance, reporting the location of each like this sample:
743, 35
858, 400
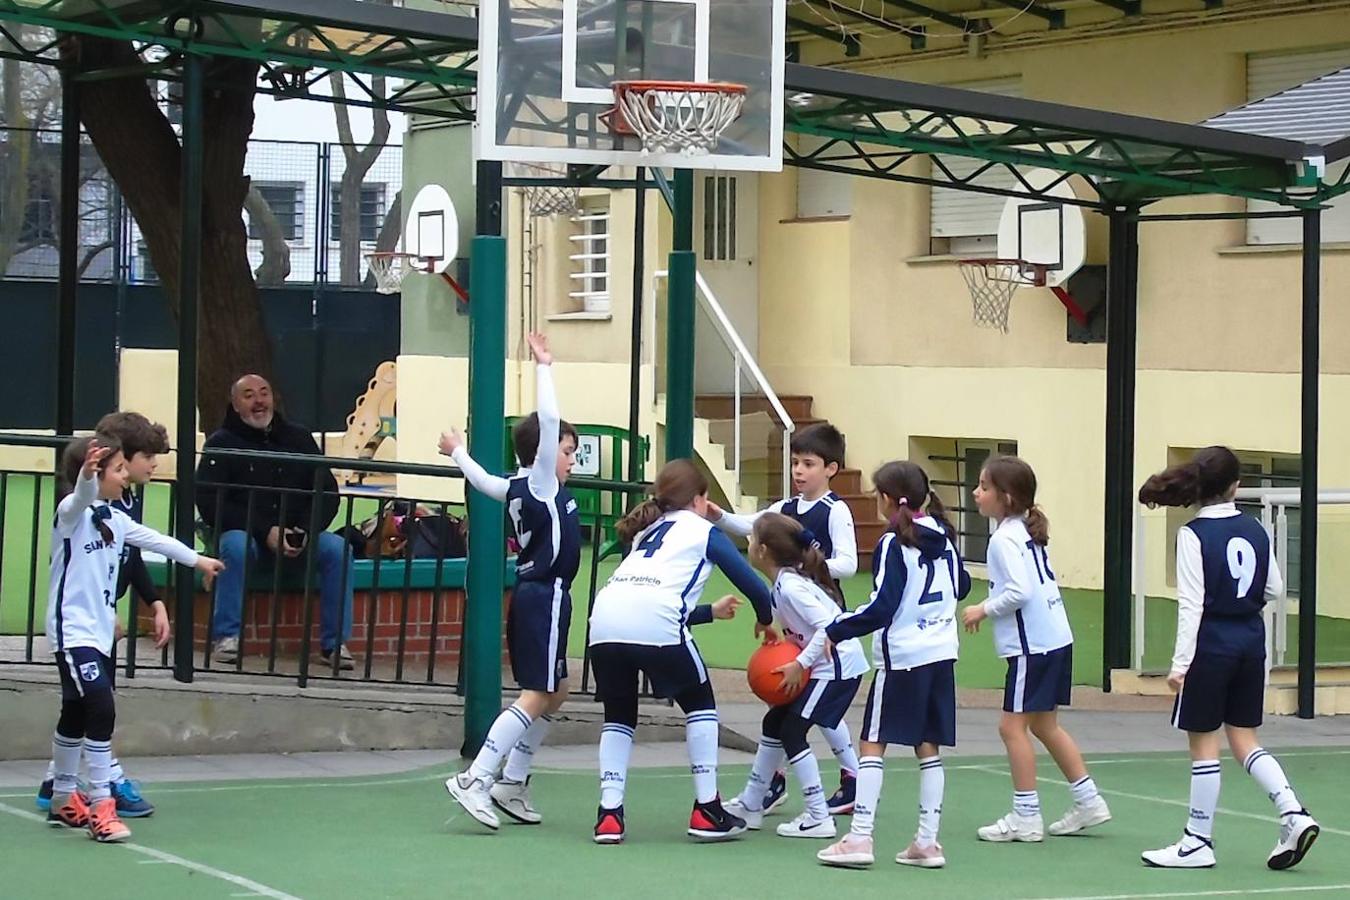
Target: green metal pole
482, 642
680, 324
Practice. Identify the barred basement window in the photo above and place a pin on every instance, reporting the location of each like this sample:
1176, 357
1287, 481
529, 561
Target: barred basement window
589, 256
287, 202
372, 212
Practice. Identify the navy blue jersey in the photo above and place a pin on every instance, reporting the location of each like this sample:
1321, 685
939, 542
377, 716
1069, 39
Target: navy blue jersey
815, 518
549, 533
1236, 560
130, 504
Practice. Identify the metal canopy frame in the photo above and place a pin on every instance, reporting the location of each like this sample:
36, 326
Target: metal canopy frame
870, 126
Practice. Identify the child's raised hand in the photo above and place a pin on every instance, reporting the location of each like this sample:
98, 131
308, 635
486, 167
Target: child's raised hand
766, 633
92, 457
714, 512
726, 607
793, 673
450, 442
539, 347
971, 617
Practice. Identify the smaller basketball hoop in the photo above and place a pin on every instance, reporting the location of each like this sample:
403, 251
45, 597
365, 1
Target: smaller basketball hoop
675, 116
993, 282
543, 200
390, 268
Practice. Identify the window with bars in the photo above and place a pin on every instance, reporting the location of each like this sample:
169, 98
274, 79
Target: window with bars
589, 256
372, 212
287, 202
954, 474
719, 217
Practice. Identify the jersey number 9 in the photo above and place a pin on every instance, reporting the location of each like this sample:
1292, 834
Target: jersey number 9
1242, 564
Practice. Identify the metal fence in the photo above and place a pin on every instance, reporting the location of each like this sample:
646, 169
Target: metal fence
404, 622
293, 213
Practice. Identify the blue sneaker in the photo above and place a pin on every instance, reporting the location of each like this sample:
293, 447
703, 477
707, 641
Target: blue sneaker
841, 803
130, 803
44, 796
777, 794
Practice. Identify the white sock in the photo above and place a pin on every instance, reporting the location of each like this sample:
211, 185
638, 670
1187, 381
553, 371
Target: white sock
1084, 790
700, 738
807, 770
932, 784
616, 746
65, 767
501, 737
841, 744
51, 770
871, 770
1268, 773
1204, 797
768, 757
521, 758
1026, 803
116, 772
100, 768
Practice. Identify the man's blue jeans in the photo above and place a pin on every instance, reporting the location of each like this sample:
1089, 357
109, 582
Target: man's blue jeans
335, 602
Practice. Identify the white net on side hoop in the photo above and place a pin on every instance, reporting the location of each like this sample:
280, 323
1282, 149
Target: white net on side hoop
992, 283
674, 116
390, 269
546, 199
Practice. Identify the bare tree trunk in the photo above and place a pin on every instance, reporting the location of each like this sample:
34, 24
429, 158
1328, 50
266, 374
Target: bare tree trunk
359, 160
143, 156
15, 162
276, 253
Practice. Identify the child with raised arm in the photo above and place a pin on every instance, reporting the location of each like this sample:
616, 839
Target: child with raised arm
544, 515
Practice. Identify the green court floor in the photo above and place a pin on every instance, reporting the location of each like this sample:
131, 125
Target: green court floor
388, 837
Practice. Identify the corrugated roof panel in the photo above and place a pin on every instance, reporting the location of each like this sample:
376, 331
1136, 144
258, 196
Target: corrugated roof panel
1317, 112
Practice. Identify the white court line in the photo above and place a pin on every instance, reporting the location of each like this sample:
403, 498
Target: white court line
270, 782
1234, 892
1326, 829
258, 889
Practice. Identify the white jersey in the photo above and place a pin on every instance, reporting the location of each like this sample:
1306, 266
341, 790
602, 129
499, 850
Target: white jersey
1024, 603
82, 591
802, 610
913, 607
650, 598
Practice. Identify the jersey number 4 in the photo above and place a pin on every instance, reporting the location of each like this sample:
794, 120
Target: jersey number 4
652, 542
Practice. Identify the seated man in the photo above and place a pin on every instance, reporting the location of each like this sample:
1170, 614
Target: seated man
278, 528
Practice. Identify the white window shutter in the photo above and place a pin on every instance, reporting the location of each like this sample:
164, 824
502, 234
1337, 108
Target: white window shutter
821, 194
966, 214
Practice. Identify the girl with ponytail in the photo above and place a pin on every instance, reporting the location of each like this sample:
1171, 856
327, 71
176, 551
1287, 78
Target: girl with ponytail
805, 600
1226, 573
918, 579
1031, 631
640, 625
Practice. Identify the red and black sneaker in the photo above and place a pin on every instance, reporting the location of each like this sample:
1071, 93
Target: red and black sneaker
710, 822
609, 826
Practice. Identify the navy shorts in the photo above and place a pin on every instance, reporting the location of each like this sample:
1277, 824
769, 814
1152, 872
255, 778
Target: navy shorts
84, 671
536, 634
1039, 682
1221, 690
825, 703
672, 669
912, 706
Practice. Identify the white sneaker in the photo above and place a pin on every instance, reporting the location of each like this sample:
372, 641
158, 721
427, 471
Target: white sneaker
1298, 830
1013, 827
923, 857
225, 651
472, 794
754, 818
853, 852
1082, 816
804, 826
1191, 852
513, 798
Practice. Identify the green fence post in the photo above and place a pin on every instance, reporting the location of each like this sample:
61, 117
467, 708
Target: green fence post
680, 302
482, 641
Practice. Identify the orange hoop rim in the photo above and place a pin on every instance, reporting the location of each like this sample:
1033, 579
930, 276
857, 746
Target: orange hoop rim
706, 87
1036, 272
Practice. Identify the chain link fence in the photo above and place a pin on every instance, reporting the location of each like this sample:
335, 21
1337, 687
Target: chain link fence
300, 230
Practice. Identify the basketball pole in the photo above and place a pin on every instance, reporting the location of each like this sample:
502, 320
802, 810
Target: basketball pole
680, 302
1307, 510
485, 582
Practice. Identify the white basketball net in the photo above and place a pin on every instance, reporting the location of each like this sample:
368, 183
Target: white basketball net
992, 283
687, 119
390, 269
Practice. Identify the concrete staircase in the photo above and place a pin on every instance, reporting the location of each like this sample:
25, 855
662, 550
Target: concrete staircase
762, 459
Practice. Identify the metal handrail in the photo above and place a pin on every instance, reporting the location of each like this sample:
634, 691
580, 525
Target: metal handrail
741, 357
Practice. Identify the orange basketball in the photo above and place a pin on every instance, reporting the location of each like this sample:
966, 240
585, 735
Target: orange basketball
764, 681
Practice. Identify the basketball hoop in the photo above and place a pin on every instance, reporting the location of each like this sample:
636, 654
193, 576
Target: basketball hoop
390, 268
993, 282
670, 116
543, 200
